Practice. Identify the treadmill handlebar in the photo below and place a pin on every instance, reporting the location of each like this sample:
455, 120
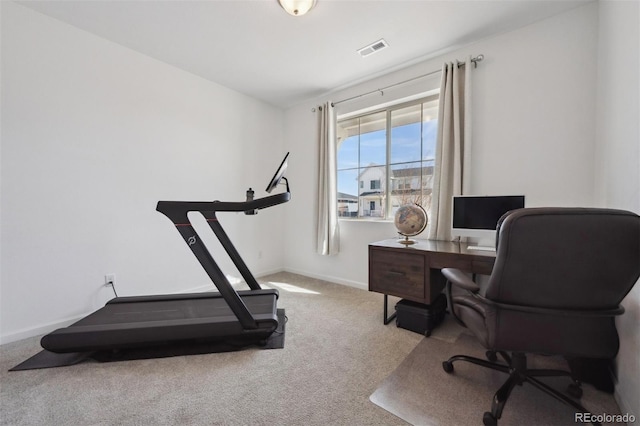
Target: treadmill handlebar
177, 210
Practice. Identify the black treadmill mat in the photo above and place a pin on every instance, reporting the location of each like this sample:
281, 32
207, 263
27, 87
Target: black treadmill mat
47, 359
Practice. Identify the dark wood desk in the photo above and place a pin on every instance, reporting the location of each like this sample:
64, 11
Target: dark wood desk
413, 272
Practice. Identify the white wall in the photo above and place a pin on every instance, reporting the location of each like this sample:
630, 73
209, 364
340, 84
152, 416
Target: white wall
617, 175
534, 104
93, 135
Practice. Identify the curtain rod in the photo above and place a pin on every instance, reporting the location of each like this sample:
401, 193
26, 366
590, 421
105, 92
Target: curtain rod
460, 64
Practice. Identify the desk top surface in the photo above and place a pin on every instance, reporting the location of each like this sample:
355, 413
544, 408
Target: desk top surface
434, 246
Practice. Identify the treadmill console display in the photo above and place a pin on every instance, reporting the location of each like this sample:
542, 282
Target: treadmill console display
277, 177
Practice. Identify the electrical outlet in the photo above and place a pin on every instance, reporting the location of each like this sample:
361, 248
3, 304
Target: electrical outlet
110, 279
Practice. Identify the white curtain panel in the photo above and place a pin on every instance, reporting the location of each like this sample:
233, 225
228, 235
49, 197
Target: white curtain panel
328, 241
453, 147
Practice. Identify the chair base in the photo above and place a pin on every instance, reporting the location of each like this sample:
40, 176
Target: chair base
516, 368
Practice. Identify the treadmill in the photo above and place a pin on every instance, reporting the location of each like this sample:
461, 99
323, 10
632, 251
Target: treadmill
240, 318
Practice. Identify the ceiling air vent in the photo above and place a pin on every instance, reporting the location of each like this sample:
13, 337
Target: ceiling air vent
373, 48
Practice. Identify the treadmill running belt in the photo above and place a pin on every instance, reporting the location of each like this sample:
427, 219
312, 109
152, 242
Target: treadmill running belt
152, 322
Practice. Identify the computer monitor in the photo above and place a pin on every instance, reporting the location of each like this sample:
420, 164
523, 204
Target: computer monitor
477, 216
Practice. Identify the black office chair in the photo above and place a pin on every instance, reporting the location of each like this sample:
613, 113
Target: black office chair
556, 287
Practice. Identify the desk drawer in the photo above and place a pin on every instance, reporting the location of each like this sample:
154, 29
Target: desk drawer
397, 274
448, 260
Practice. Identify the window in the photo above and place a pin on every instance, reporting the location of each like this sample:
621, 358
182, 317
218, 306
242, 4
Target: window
386, 159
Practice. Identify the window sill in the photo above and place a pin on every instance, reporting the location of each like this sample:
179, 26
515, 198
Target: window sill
365, 220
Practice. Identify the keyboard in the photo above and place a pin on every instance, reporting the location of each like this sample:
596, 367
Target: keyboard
481, 248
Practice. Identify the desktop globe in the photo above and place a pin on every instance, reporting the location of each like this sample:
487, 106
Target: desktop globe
410, 220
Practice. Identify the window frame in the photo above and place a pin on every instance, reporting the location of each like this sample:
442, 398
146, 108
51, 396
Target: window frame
388, 109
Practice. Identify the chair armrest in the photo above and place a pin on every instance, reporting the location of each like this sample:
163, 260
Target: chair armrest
460, 279
611, 312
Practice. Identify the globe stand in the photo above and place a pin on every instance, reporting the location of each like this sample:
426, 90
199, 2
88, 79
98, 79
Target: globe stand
407, 241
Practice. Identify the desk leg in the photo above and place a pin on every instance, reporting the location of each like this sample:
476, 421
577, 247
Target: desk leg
387, 320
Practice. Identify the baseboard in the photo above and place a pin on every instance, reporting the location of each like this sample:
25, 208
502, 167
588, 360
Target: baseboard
39, 330
235, 281
49, 327
330, 278
268, 272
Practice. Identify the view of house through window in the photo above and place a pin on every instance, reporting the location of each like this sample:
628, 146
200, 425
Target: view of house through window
386, 159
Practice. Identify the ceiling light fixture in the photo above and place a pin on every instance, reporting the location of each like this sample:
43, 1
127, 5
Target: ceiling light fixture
297, 7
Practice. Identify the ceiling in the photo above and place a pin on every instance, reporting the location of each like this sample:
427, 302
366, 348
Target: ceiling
256, 48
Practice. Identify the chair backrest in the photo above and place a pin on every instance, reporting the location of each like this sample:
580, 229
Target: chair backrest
566, 258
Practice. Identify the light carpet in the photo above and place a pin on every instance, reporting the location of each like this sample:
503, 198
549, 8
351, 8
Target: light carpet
336, 355
337, 351
421, 393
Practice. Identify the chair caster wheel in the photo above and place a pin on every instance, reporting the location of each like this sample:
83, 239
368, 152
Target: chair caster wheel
447, 366
491, 356
489, 420
574, 390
